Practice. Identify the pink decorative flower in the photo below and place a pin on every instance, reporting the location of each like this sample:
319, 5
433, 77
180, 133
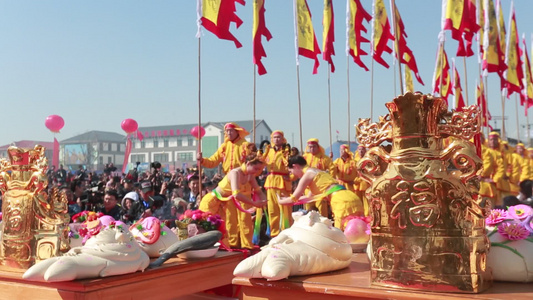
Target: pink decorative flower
513, 231
520, 211
496, 216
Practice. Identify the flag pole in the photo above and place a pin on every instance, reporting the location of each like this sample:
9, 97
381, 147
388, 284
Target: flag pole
527, 124
299, 107
372, 86
199, 146
466, 82
254, 94
348, 87
517, 123
393, 13
504, 135
486, 91
298, 73
329, 107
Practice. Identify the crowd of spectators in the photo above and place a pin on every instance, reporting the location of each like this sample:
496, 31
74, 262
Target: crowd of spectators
165, 195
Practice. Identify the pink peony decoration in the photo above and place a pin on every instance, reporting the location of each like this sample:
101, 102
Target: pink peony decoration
496, 216
513, 231
520, 211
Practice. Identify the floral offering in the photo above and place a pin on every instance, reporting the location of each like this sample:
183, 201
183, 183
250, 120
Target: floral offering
205, 220
511, 236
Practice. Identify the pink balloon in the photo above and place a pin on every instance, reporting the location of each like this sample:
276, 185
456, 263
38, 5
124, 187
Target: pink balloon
129, 125
54, 123
355, 231
198, 133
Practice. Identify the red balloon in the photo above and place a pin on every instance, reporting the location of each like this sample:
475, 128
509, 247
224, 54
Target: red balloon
54, 123
129, 125
198, 133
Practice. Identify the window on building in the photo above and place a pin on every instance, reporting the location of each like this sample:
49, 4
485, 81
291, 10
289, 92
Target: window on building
137, 158
190, 141
101, 160
156, 143
161, 157
143, 144
123, 147
185, 156
165, 143
109, 159
181, 141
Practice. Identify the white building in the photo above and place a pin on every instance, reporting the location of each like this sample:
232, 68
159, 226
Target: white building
93, 149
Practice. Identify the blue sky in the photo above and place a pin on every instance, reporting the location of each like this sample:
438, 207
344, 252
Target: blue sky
96, 63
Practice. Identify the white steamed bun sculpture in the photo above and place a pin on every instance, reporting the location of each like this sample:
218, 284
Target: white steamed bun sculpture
312, 245
112, 252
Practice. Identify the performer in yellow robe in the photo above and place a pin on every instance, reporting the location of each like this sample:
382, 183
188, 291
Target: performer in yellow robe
234, 190
360, 185
530, 155
520, 171
503, 184
321, 184
231, 153
278, 183
492, 172
317, 158
344, 168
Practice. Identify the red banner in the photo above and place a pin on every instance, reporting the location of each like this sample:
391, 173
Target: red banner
55, 154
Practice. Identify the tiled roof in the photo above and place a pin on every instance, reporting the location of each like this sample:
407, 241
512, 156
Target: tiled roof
96, 136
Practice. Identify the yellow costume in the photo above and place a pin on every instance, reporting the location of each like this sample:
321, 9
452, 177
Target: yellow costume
231, 153
239, 224
530, 154
345, 170
322, 162
343, 202
360, 186
493, 170
520, 171
277, 184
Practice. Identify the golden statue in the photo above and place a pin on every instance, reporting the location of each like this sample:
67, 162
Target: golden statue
428, 222
35, 226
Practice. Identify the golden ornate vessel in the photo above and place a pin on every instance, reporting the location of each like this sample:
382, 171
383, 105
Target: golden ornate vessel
428, 221
35, 226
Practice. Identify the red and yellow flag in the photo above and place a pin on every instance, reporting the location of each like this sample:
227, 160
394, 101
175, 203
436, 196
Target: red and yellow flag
515, 74
217, 15
381, 34
492, 59
481, 22
527, 93
460, 19
408, 79
328, 35
259, 30
482, 103
355, 15
403, 52
441, 76
458, 91
502, 33
305, 34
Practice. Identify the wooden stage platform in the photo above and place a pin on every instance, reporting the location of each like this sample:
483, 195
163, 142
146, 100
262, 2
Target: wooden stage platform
175, 278
354, 283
